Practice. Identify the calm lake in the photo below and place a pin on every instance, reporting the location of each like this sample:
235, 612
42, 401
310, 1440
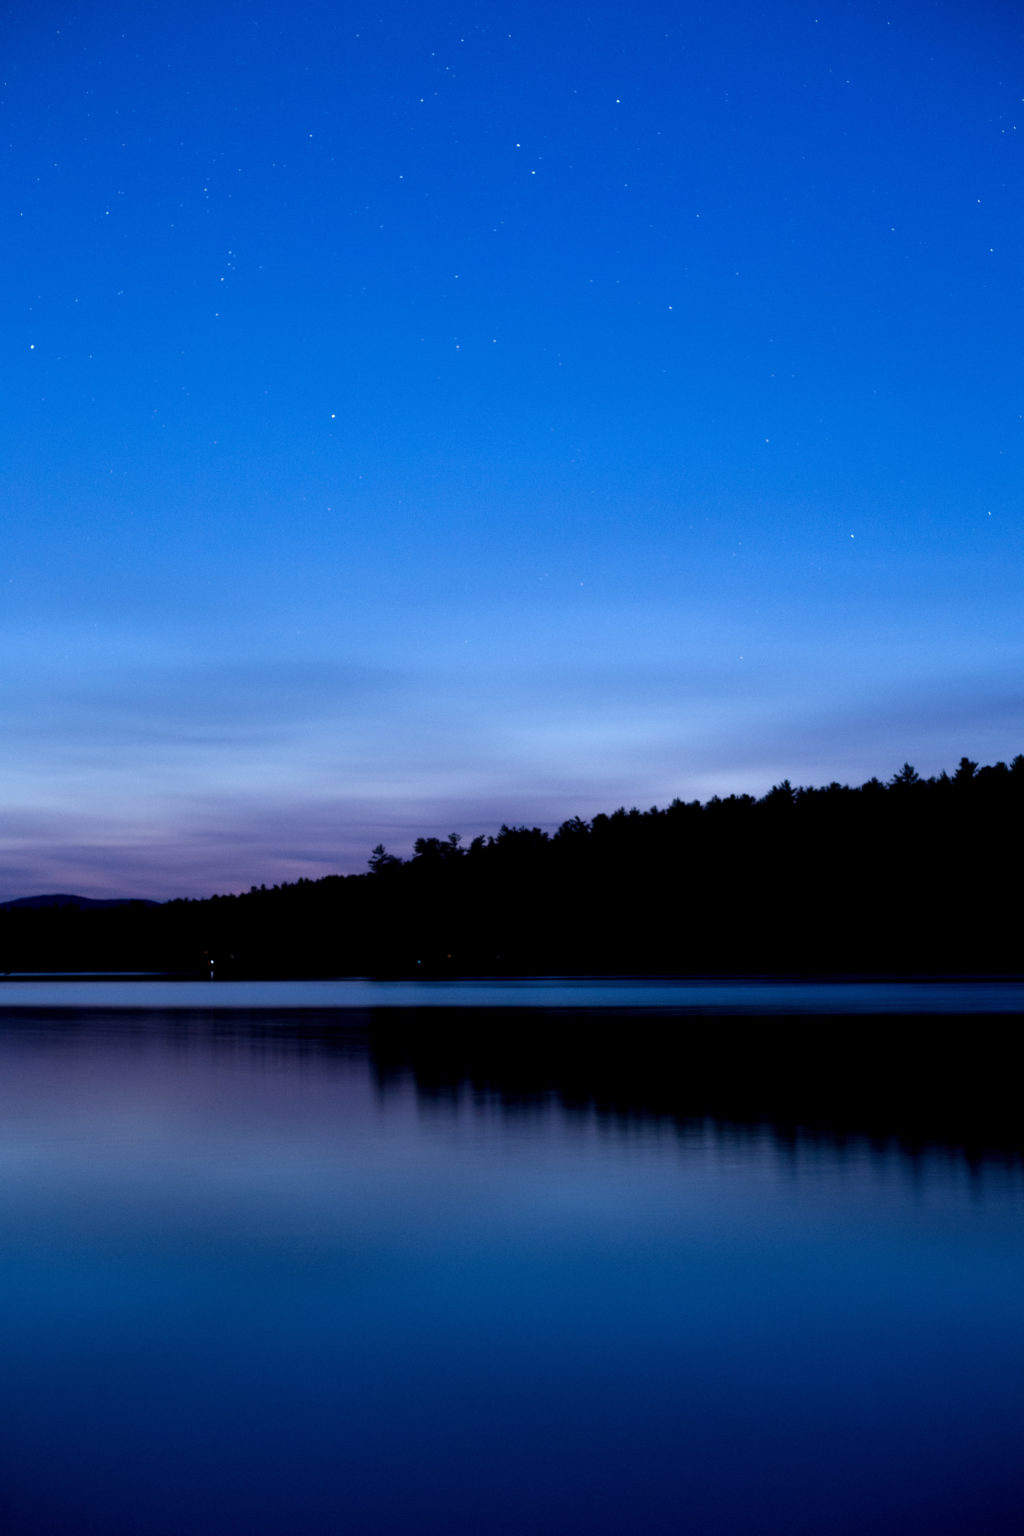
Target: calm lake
555, 1256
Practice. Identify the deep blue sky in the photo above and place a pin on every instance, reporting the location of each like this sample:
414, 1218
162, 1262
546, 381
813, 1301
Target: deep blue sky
423, 416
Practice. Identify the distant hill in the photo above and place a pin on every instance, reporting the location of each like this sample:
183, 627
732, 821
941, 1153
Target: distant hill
81, 902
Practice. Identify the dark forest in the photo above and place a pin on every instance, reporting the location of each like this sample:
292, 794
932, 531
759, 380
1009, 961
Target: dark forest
910, 875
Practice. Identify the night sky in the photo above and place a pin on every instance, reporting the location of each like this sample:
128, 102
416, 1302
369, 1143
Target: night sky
418, 417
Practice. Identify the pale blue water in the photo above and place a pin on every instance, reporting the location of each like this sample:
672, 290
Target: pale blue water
264, 1278
703, 995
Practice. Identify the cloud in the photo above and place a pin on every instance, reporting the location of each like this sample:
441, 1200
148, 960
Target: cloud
187, 779
931, 722
209, 703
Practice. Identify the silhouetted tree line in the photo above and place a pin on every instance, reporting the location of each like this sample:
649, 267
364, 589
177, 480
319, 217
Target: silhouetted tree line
909, 875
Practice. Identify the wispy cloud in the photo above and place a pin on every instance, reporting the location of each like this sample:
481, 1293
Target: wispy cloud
184, 778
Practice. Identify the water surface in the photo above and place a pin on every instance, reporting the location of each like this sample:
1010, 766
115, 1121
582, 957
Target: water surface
698, 995
319, 1272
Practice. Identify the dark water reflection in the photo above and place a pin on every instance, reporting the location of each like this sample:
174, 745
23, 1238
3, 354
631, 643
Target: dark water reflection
443, 1272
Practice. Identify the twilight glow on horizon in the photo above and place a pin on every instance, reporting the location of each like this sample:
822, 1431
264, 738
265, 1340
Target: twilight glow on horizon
422, 417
